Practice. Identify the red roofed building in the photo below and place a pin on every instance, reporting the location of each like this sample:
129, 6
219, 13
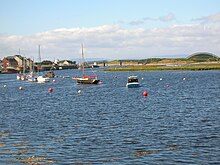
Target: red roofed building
9, 62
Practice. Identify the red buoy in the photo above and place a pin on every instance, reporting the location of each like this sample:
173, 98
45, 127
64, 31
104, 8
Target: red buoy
54, 81
50, 89
145, 93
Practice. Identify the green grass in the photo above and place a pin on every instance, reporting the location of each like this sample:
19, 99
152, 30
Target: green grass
158, 68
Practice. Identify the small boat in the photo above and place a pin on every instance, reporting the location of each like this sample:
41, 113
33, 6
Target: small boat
85, 79
19, 76
22, 76
32, 76
43, 79
32, 79
50, 74
66, 76
95, 65
132, 82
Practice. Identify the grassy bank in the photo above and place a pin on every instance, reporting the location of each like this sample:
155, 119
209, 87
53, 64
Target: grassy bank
161, 67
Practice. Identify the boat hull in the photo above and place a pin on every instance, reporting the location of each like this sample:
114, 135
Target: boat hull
132, 85
86, 81
42, 79
32, 79
22, 77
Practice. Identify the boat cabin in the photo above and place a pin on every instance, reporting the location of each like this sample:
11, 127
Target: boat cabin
132, 79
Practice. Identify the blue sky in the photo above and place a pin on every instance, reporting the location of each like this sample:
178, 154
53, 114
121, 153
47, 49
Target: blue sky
109, 28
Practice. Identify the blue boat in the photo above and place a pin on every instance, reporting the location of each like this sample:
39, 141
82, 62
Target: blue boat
132, 82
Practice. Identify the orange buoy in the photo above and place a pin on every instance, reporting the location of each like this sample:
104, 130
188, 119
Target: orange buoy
145, 93
50, 89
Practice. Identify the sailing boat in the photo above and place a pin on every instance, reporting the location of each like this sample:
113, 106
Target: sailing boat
85, 79
22, 76
41, 78
32, 77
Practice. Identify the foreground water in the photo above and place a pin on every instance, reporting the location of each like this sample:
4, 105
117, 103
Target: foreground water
178, 123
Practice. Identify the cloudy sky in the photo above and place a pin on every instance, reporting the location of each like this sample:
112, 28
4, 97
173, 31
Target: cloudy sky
109, 29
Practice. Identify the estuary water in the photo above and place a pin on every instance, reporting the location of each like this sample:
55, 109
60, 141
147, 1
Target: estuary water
177, 123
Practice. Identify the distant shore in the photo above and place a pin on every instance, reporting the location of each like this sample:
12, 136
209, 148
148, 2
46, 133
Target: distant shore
161, 67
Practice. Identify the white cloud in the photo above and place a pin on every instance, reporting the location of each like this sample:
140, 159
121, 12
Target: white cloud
114, 42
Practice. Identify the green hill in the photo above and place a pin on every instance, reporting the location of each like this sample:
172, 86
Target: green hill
203, 57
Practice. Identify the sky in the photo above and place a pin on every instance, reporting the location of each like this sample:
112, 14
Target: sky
109, 29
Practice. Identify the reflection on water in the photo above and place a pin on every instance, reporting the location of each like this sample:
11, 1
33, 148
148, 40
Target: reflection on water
178, 123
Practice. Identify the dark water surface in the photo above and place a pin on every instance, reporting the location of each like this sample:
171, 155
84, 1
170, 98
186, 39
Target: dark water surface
178, 123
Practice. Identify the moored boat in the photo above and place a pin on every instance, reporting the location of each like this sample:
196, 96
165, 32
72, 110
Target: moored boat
22, 76
43, 79
19, 76
50, 74
86, 79
32, 77
132, 82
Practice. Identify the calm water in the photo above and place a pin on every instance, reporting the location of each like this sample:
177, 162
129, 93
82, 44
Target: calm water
178, 123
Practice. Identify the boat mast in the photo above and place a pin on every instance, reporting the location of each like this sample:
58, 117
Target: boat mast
39, 53
39, 65
33, 65
83, 63
24, 65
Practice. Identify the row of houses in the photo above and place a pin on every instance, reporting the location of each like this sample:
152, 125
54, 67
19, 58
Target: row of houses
16, 63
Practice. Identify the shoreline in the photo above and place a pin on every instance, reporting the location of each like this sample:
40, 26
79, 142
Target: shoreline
159, 67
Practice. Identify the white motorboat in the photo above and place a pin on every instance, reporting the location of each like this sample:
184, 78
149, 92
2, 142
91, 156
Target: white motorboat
132, 82
43, 79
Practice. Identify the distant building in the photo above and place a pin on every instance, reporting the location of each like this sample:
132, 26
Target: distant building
23, 62
66, 62
47, 62
56, 61
9, 62
29, 62
20, 60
